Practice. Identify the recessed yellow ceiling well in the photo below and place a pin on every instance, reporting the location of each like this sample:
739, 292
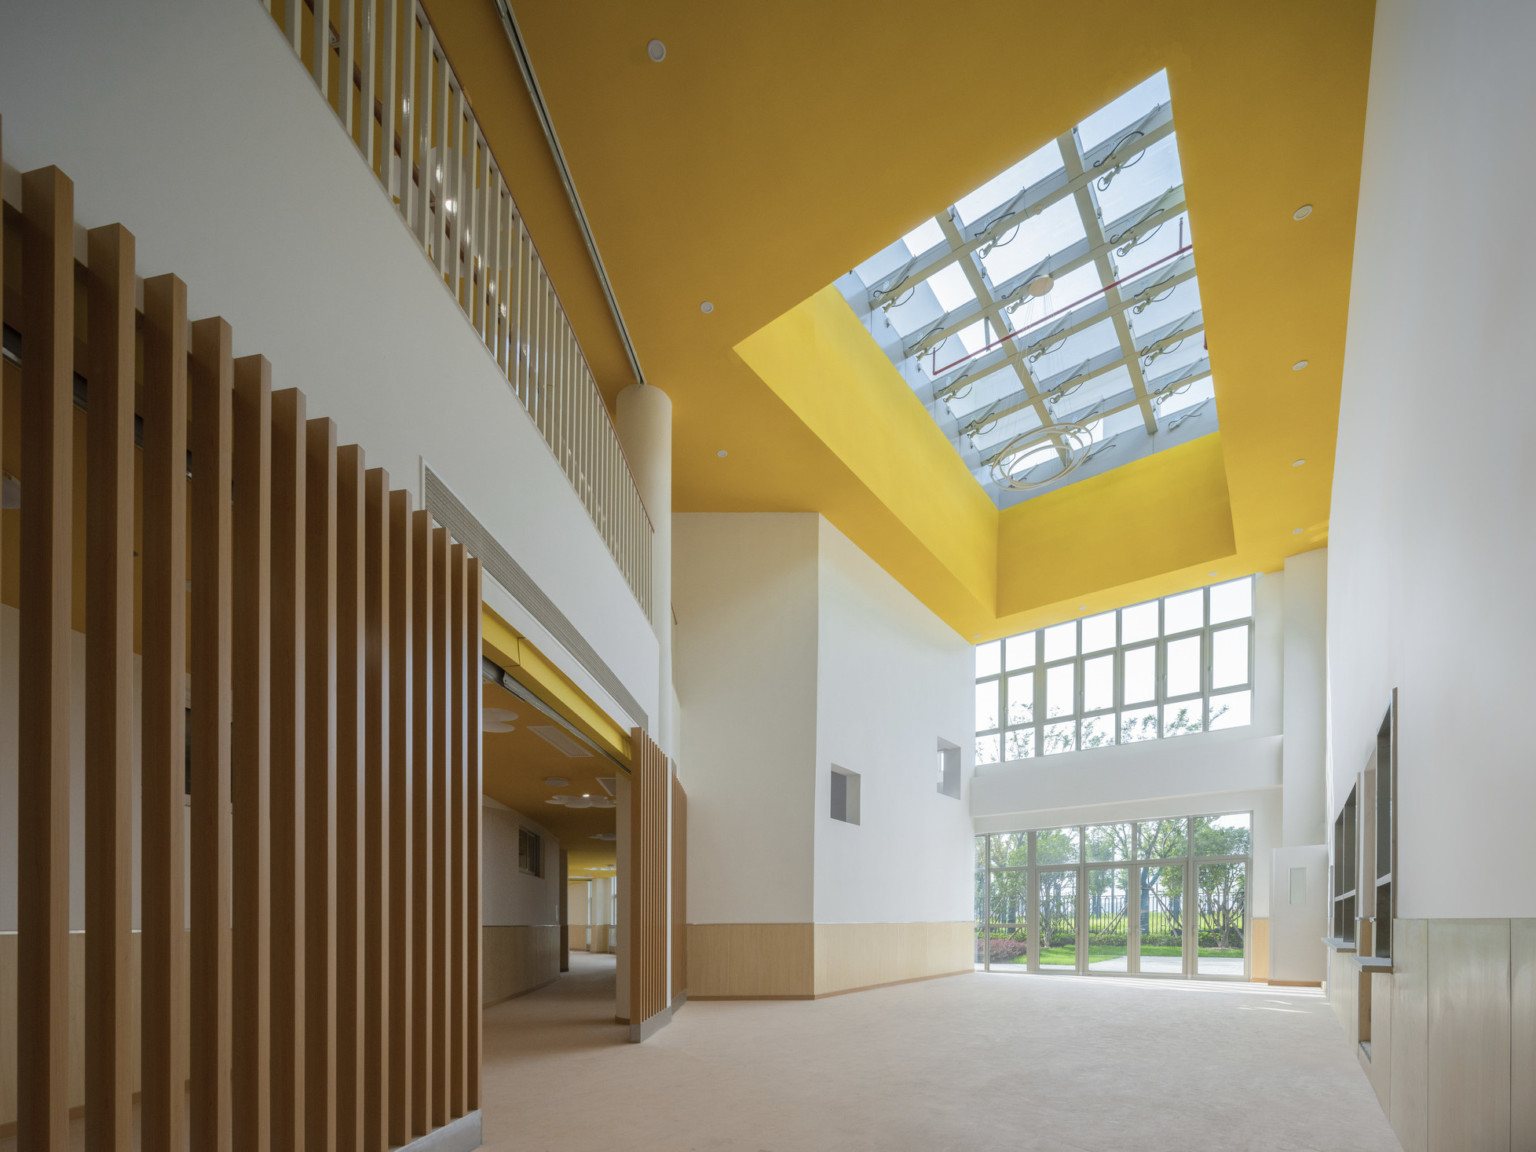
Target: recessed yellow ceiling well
779, 145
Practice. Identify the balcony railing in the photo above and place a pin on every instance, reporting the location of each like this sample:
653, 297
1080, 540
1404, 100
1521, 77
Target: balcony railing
383, 72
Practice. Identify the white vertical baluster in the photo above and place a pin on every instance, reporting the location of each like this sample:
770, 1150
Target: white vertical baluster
293, 24
369, 50
321, 44
426, 161
346, 48
442, 167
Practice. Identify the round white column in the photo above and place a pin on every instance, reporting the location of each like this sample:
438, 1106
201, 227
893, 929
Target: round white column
645, 430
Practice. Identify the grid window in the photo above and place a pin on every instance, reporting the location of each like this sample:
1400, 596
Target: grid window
1170, 667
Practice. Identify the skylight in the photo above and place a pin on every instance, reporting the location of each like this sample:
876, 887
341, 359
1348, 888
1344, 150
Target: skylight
1050, 320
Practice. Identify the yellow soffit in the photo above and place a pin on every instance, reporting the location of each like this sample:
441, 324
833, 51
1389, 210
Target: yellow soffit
530, 668
777, 146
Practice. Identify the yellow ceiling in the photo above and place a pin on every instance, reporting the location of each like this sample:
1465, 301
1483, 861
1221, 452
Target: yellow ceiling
515, 764
780, 144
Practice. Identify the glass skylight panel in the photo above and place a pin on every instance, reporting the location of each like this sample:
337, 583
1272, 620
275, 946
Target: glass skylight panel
1139, 182
1164, 307
1033, 241
1198, 392
1115, 116
951, 288
965, 328
1006, 185
923, 237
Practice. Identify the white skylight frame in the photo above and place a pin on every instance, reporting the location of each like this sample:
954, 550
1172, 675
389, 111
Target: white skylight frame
1108, 365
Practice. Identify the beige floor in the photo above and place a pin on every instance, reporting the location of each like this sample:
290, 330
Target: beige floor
976, 1062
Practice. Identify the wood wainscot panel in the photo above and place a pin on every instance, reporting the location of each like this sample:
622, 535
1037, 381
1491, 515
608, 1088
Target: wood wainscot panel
851, 957
751, 961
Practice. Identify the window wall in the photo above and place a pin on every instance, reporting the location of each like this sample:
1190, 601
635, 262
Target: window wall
1165, 897
1167, 667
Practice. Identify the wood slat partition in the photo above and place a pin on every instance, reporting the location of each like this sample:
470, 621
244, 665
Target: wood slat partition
679, 888
251, 759
47, 414
163, 629
290, 482
458, 757
402, 817
351, 835
476, 789
211, 398
320, 789
325, 653
376, 858
109, 704
442, 796
650, 783
423, 1032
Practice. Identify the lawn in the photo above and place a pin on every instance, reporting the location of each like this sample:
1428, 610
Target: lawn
1098, 952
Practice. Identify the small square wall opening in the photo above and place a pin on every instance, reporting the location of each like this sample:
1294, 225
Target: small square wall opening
845, 795
949, 769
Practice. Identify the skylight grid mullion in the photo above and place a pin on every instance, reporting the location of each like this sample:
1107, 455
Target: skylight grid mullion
1088, 211
1135, 224
1101, 410
991, 311
1152, 127
1078, 320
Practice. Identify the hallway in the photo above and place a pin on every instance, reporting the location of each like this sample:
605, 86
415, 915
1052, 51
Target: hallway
1085, 1063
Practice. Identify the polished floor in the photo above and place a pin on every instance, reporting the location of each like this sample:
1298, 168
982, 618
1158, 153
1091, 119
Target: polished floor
1078, 1064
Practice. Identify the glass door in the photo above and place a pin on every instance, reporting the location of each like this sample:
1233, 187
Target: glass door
1160, 934
1059, 936
1223, 903
1107, 911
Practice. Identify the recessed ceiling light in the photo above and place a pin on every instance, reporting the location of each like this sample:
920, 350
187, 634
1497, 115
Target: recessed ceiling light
1297, 463
657, 51
706, 307
722, 453
1298, 366
1295, 531
1082, 607
1302, 213
1040, 285
1212, 573
556, 781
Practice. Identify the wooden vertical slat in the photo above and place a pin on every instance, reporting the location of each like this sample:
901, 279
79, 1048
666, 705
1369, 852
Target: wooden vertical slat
320, 789
476, 789
109, 703
211, 398
290, 478
679, 889
377, 864
648, 929
350, 793
251, 758
47, 415
441, 766
565, 911
458, 796
163, 775
423, 700
402, 820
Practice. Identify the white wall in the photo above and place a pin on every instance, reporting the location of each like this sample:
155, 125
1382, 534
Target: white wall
1433, 523
892, 679
1303, 768
745, 588
193, 124
508, 895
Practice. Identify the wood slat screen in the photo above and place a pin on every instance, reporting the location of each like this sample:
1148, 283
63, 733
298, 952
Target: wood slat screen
319, 642
650, 784
679, 888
